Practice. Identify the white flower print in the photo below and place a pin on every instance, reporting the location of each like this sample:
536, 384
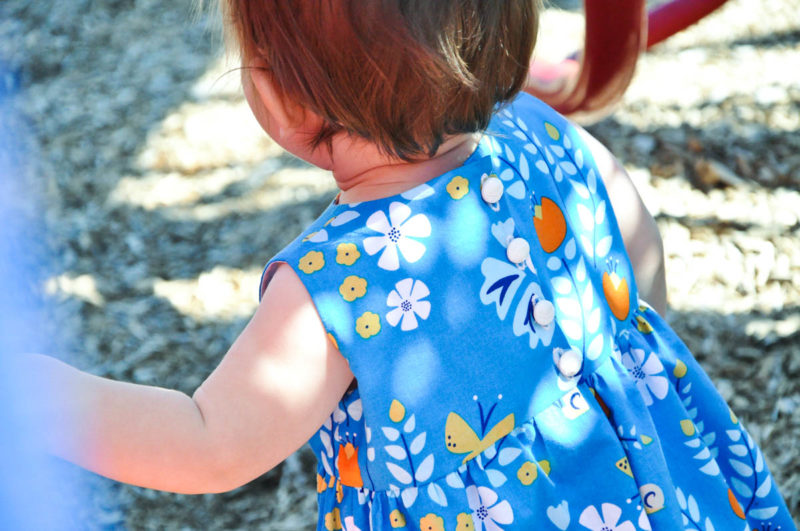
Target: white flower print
406, 299
591, 519
646, 372
398, 233
486, 512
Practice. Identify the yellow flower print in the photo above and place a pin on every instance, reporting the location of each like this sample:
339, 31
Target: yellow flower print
321, 485
339, 492
368, 325
527, 473
465, 522
353, 288
311, 262
458, 187
397, 411
333, 520
544, 464
431, 522
396, 519
347, 254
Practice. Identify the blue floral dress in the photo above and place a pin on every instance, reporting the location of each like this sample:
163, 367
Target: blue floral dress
508, 375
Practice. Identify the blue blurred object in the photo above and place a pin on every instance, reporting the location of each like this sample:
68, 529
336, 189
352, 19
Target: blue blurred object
29, 493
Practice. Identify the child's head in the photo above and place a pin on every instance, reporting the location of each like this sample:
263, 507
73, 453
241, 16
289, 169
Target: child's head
403, 74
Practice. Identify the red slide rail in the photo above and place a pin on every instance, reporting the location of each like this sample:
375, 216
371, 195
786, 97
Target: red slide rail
591, 81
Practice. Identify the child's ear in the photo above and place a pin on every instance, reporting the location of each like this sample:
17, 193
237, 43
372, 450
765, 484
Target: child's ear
283, 112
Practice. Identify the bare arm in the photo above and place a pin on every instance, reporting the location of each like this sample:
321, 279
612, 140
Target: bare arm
274, 387
639, 230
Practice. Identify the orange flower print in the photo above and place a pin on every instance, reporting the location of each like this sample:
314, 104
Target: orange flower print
347, 254
616, 291
431, 522
550, 225
333, 520
321, 485
458, 187
397, 519
349, 471
311, 262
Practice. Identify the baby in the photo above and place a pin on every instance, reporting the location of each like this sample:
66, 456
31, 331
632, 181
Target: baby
463, 333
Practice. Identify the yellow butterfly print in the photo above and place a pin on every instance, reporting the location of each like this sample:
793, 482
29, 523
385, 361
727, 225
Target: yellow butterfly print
461, 439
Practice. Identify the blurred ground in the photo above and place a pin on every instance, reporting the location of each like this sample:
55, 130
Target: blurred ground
162, 200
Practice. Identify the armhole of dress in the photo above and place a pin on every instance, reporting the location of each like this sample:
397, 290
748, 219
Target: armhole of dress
266, 276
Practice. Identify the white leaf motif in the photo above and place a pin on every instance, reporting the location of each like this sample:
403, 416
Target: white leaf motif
562, 285
496, 478
765, 487
326, 442
763, 514
399, 473
595, 348
738, 449
436, 494
694, 511
507, 455
759, 461
425, 469
454, 480
591, 181
580, 271
603, 246
569, 307
410, 424
418, 444
390, 433
593, 322
585, 216
572, 329
542, 166
586, 243
711, 468
734, 435
741, 487
569, 168
524, 170
396, 451
569, 249
409, 496
600, 213
581, 189
588, 296
741, 468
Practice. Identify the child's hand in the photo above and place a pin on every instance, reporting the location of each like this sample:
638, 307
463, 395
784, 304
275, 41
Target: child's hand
272, 390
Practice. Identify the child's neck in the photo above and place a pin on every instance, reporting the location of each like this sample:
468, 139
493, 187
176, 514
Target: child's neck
362, 173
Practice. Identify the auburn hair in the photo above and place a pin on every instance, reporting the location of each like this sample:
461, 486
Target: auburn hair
403, 74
